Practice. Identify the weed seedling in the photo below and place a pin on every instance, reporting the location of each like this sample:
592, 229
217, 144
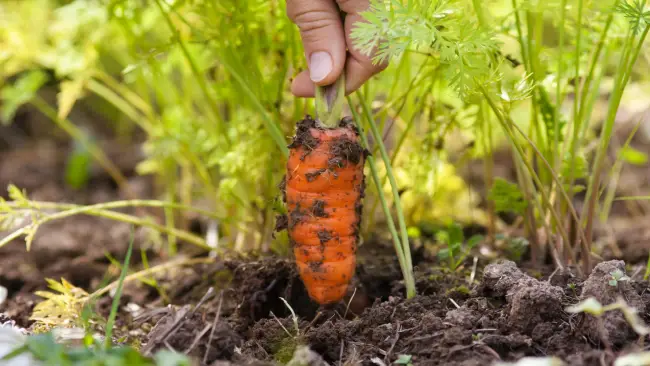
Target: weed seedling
405, 360
617, 275
457, 248
595, 308
44, 347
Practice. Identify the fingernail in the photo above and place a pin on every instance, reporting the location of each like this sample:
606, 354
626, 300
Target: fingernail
320, 65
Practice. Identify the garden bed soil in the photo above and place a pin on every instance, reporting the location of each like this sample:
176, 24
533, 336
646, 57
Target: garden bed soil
231, 309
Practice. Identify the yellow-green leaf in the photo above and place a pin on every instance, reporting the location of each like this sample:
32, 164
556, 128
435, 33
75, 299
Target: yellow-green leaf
633, 156
71, 91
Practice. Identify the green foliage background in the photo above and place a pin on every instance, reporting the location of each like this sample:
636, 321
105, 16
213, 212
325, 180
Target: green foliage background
208, 83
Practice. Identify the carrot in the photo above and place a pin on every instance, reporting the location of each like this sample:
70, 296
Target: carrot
324, 187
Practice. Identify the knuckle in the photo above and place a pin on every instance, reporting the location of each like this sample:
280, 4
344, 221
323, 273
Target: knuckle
291, 10
311, 21
351, 6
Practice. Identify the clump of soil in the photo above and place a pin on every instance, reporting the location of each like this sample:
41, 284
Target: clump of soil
531, 301
613, 326
318, 209
505, 316
303, 136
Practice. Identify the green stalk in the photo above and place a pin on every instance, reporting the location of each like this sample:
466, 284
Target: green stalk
558, 155
480, 13
271, 126
489, 167
397, 149
169, 171
508, 126
407, 271
525, 182
411, 87
414, 84
520, 36
389, 171
578, 90
103, 210
616, 171
121, 89
43, 205
580, 125
218, 123
592, 94
557, 160
628, 59
533, 41
110, 323
329, 102
577, 98
592, 67
120, 103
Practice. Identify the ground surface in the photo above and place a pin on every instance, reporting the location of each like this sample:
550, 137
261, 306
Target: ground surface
505, 314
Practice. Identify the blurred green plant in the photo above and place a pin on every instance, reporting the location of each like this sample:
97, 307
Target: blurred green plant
44, 348
457, 248
521, 65
207, 82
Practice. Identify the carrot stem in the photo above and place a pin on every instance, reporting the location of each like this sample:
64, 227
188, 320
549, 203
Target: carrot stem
401, 257
329, 102
406, 249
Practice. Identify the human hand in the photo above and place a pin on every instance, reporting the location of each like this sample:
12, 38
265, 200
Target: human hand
325, 40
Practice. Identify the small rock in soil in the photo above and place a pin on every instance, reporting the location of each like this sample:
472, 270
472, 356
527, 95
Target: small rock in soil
615, 328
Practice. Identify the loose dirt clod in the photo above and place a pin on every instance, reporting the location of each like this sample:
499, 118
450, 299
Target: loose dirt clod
614, 326
461, 316
500, 276
303, 356
531, 301
281, 223
303, 136
347, 150
313, 175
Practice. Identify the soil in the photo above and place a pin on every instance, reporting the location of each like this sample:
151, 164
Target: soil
232, 310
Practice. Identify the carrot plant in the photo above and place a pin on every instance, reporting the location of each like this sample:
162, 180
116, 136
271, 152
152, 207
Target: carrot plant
535, 69
207, 84
208, 114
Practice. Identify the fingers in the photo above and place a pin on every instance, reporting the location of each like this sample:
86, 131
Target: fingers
323, 39
359, 67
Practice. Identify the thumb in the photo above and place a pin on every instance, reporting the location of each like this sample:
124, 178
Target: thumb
321, 30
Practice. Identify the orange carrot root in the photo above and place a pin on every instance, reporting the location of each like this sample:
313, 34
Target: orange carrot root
324, 188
